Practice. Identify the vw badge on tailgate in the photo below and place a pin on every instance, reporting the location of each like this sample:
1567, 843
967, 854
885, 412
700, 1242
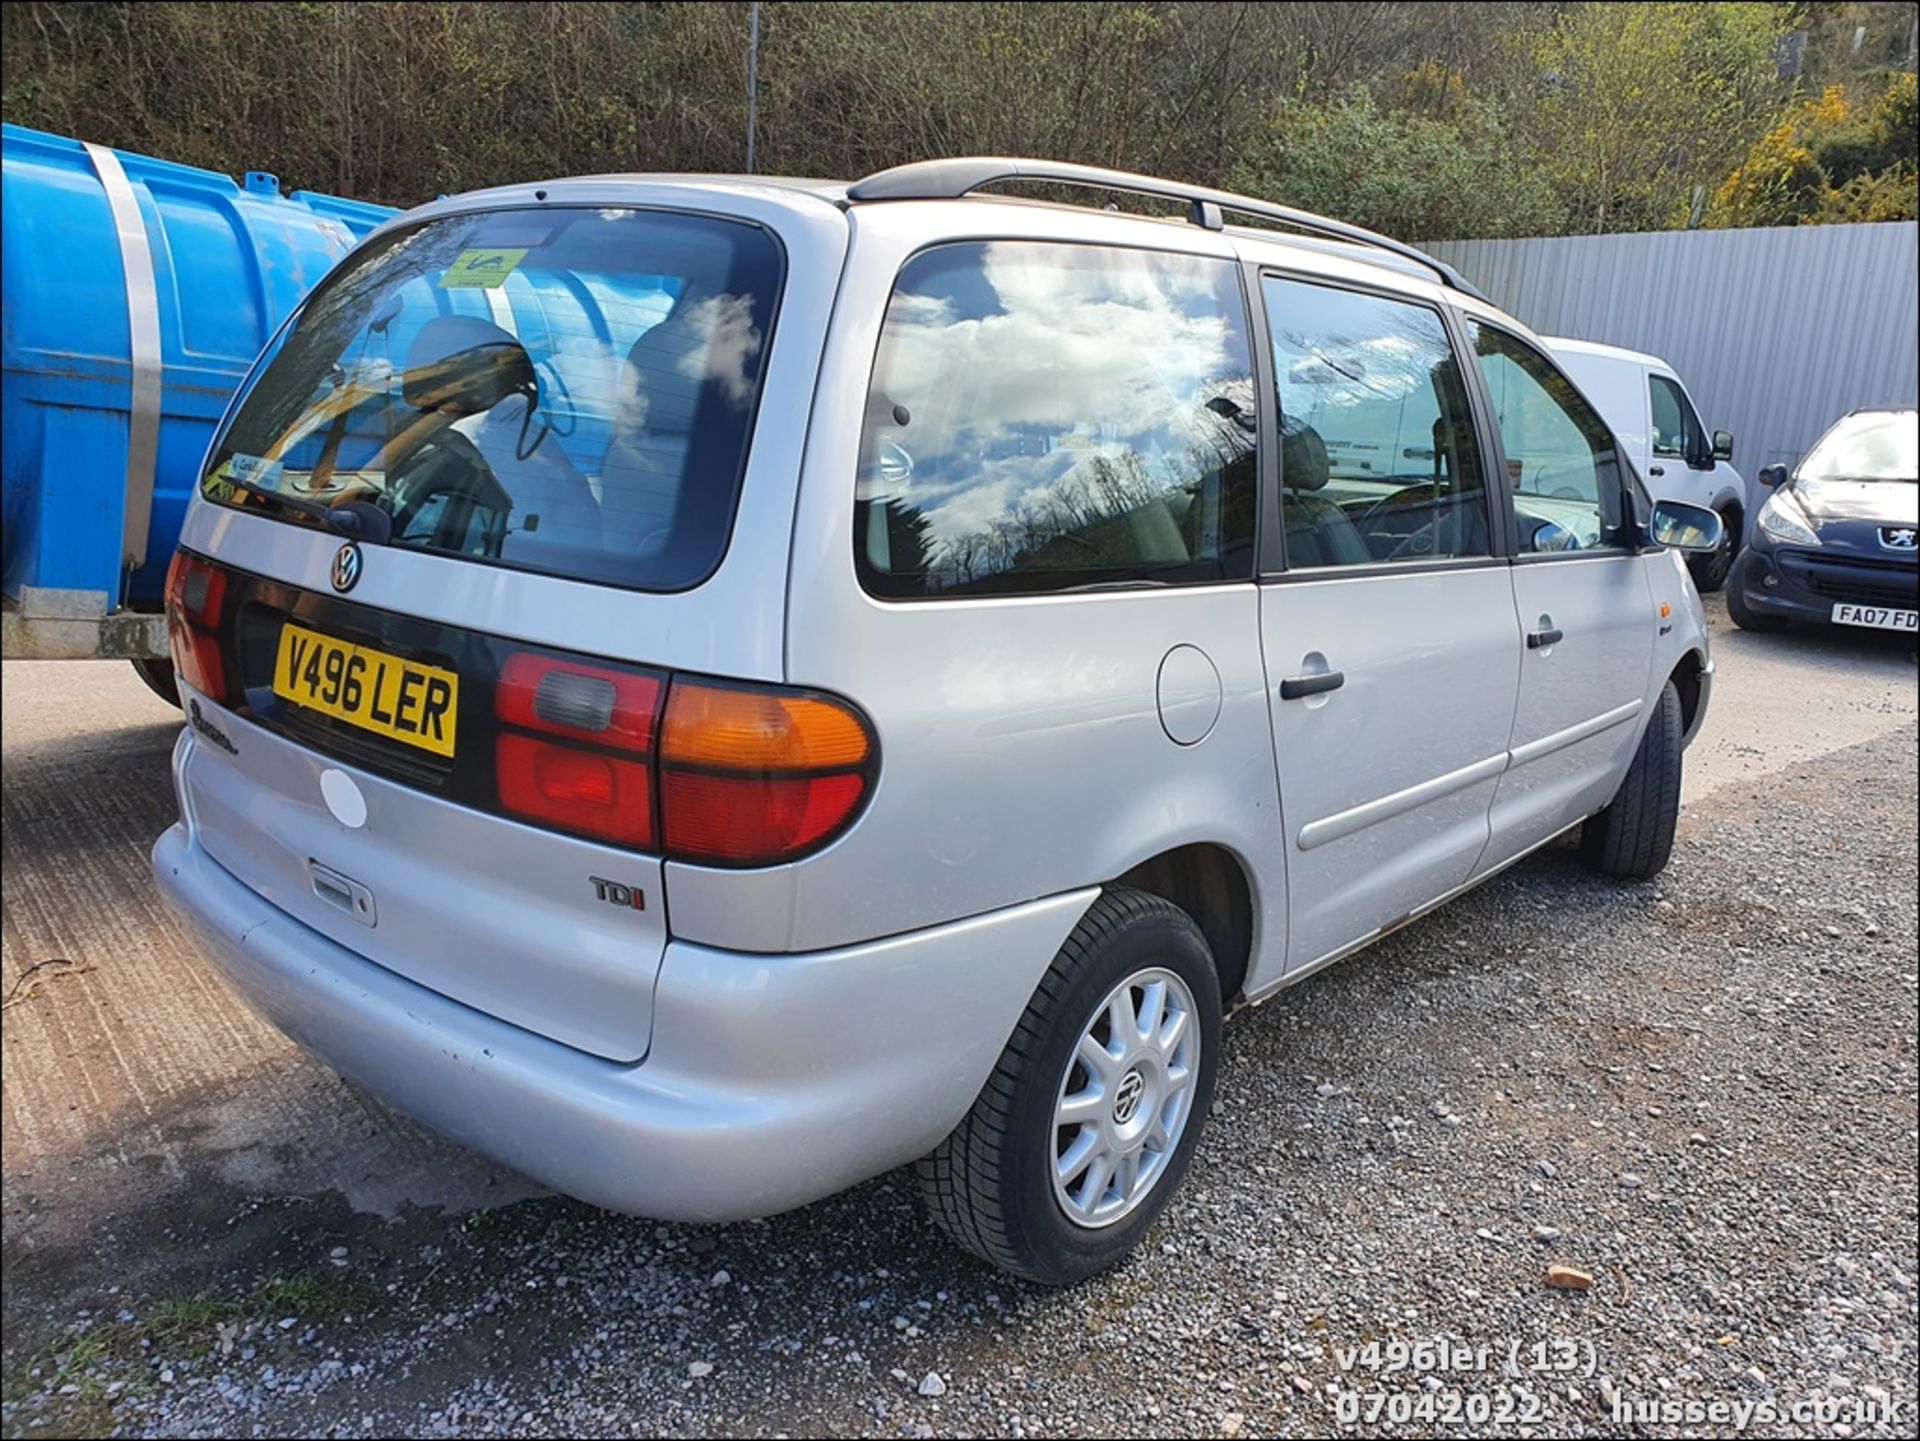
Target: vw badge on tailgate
346, 567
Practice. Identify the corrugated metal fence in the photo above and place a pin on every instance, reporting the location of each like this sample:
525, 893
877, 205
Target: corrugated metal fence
1776, 332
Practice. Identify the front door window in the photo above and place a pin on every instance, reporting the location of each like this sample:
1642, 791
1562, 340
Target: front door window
1563, 468
1677, 432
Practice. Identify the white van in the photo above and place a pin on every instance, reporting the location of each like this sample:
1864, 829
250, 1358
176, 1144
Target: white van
1660, 432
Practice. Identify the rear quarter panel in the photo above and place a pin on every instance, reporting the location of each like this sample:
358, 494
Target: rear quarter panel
1022, 752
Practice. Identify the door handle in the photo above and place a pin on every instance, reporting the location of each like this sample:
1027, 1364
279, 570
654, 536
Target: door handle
1656, 470
1539, 638
1294, 687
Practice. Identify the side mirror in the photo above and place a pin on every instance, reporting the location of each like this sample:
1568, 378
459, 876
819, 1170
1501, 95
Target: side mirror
1679, 526
1550, 537
1723, 445
1771, 475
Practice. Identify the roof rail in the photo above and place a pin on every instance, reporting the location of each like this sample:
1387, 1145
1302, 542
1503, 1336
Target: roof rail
952, 179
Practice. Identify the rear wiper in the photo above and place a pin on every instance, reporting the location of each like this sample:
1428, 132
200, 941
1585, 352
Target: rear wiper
357, 519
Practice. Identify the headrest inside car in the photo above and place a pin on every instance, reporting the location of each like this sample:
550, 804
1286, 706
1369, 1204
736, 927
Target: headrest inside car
465, 365
1303, 455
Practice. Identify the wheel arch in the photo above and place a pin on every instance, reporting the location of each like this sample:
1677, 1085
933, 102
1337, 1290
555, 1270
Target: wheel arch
1690, 678
1210, 883
1733, 514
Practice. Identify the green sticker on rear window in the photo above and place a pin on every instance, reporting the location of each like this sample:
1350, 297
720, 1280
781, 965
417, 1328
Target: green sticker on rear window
481, 269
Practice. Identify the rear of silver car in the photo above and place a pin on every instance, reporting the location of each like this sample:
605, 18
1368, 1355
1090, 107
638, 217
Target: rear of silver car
480, 621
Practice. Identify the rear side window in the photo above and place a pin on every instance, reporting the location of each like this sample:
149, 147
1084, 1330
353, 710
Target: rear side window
562, 390
1378, 456
1044, 417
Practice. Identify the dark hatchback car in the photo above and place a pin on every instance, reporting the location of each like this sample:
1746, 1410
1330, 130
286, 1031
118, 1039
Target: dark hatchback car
1835, 542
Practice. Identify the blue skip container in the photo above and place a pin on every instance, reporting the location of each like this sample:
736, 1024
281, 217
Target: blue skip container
136, 294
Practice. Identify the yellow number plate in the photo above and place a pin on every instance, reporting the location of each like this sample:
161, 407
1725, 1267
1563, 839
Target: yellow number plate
400, 699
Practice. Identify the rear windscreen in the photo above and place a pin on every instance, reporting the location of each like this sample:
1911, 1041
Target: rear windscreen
561, 390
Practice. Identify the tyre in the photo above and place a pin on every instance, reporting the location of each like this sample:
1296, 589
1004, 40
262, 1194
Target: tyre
1711, 569
158, 674
1633, 836
1087, 1124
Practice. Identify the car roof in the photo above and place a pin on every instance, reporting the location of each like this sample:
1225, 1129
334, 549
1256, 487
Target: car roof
1398, 270
1569, 346
834, 192
1385, 262
789, 192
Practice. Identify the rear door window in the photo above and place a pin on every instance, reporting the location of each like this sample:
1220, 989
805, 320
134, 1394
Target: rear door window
566, 390
1046, 417
1379, 460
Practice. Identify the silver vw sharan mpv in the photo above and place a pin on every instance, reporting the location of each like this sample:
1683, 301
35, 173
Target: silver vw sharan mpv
708, 689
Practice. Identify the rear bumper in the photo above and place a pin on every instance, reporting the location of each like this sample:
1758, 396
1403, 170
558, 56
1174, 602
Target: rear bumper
772, 1081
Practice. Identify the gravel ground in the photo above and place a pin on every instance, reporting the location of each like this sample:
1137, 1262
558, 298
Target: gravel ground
1701, 1092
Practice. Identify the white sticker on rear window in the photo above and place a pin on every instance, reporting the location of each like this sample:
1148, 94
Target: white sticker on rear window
254, 469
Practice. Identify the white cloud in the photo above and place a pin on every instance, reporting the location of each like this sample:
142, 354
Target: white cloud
725, 342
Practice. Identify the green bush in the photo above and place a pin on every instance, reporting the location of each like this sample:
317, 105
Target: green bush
1426, 120
1408, 175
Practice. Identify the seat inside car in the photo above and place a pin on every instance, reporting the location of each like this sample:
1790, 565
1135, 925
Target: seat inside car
480, 435
668, 376
1318, 531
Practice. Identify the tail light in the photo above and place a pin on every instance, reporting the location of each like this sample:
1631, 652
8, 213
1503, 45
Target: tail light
196, 596
578, 790
751, 775
589, 767
712, 772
